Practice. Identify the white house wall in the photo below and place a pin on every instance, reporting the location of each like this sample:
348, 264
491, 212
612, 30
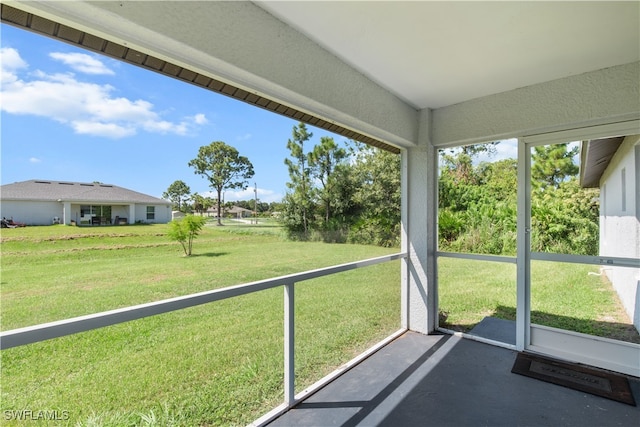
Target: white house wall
31, 212
162, 214
620, 222
42, 213
120, 211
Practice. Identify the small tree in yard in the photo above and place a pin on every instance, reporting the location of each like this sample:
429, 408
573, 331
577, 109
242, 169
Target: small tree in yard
224, 167
184, 230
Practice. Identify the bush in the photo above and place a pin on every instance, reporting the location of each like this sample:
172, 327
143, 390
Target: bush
184, 230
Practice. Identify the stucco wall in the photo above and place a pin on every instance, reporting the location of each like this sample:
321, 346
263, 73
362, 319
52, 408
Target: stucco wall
620, 222
42, 213
162, 214
31, 213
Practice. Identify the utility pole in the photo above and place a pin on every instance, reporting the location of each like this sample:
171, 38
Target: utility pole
255, 202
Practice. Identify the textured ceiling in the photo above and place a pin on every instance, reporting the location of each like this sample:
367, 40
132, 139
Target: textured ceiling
433, 54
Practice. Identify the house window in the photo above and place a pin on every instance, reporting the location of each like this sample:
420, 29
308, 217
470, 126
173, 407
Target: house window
86, 211
151, 212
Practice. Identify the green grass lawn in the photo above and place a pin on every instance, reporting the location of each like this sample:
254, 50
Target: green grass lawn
215, 364
222, 363
563, 296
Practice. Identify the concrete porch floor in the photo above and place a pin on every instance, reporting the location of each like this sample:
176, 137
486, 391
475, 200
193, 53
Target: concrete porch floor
444, 380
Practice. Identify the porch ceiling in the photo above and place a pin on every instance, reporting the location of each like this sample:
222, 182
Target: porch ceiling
434, 54
365, 69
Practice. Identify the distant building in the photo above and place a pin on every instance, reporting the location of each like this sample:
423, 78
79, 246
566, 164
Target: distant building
41, 202
213, 211
238, 212
177, 214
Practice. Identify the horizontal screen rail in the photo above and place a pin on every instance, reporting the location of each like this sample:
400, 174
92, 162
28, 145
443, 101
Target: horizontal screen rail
478, 257
45, 331
587, 259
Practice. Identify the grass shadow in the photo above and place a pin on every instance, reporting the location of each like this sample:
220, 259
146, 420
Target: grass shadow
613, 330
209, 254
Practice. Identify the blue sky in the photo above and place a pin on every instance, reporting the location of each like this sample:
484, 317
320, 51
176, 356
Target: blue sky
71, 115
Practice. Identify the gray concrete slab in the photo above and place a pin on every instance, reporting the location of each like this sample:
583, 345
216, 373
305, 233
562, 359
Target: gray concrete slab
496, 329
442, 380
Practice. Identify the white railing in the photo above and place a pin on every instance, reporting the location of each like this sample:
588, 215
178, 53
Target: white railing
45, 331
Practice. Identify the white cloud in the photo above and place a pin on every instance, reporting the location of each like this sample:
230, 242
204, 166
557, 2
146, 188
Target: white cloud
10, 63
200, 119
102, 107
245, 137
88, 108
34, 160
108, 130
82, 62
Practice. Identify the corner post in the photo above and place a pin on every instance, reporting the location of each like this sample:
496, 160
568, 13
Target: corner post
419, 231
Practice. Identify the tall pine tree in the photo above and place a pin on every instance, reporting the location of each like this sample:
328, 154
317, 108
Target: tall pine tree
325, 161
299, 200
553, 164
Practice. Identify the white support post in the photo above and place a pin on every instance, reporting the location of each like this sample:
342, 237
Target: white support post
289, 345
418, 295
432, 223
523, 247
66, 213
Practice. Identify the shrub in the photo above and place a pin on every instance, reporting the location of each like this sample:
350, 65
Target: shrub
184, 230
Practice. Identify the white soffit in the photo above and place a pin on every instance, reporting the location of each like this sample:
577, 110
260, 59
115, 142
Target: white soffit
433, 54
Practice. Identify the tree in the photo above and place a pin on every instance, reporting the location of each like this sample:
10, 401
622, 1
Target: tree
184, 230
176, 193
201, 203
565, 219
459, 160
323, 162
299, 200
552, 164
477, 209
224, 167
376, 175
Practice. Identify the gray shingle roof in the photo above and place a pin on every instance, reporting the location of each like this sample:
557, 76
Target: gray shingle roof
43, 190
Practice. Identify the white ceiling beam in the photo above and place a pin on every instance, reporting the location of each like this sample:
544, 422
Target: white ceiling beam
590, 99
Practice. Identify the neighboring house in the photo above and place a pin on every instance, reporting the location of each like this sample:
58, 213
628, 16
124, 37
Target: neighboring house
177, 214
212, 211
238, 212
41, 202
613, 165
235, 212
